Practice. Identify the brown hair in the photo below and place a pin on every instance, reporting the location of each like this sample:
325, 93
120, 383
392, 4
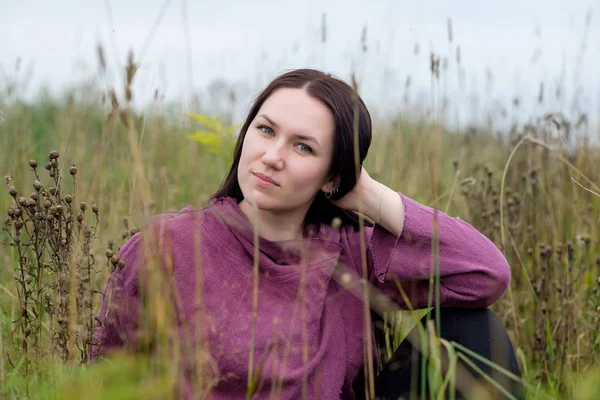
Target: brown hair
341, 99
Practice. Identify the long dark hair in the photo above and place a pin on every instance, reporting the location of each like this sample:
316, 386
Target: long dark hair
342, 101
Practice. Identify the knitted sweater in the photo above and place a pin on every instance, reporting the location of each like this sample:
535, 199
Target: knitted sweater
310, 325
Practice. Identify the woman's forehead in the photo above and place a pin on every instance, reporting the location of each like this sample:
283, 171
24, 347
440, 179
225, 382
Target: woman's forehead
296, 110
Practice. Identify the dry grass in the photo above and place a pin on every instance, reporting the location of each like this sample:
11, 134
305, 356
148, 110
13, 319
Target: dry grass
532, 190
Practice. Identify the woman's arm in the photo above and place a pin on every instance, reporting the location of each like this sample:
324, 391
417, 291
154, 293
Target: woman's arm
402, 250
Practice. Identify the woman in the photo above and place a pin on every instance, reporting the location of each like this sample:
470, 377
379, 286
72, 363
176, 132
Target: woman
267, 278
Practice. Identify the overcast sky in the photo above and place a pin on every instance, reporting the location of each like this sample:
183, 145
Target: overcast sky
517, 43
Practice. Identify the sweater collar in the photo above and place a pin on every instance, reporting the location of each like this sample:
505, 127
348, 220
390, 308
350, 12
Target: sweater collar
323, 244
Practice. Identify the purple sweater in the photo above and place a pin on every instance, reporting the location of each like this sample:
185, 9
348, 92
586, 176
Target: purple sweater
310, 327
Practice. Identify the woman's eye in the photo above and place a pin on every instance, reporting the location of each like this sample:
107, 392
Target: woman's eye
304, 148
266, 129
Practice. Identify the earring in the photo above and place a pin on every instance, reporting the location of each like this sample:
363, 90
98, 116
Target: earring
331, 194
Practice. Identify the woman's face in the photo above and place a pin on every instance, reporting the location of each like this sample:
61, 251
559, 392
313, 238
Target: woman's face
290, 141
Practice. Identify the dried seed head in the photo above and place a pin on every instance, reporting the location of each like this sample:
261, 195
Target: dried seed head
53, 155
52, 174
37, 185
49, 217
59, 209
13, 191
53, 190
121, 264
83, 206
33, 164
68, 199
7, 179
18, 224
31, 203
47, 204
11, 212
109, 253
114, 260
95, 208
34, 196
47, 167
18, 212
22, 201
54, 163
73, 170
80, 218
87, 233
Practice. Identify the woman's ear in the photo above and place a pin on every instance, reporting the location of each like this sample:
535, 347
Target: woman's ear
331, 184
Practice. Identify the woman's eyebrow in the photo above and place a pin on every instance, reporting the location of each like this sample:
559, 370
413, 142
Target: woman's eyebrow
301, 137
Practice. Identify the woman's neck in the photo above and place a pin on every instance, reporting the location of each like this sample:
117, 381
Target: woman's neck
275, 226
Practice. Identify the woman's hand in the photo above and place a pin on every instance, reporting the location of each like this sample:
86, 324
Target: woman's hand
366, 193
376, 201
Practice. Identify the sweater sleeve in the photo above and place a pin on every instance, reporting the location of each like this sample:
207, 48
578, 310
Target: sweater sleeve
473, 271
117, 321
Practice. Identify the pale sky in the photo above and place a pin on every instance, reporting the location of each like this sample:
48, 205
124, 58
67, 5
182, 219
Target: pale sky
519, 43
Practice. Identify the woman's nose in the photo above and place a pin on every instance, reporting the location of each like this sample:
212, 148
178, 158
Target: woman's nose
273, 156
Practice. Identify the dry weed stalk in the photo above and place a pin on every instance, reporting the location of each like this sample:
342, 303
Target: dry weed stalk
50, 235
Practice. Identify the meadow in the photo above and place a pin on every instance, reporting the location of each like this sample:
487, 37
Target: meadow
84, 172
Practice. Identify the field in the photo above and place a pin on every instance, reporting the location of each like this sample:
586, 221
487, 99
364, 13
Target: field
532, 189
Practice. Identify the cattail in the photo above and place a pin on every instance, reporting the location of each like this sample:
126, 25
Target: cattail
33, 164
73, 170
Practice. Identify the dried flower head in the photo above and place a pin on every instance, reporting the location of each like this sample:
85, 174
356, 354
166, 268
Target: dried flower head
13, 191
95, 208
53, 155
73, 170
33, 164
37, 185
68, 199
83, 206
